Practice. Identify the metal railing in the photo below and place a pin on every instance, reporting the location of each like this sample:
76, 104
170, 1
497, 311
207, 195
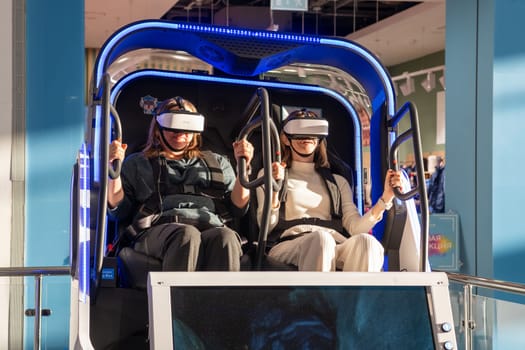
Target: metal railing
468, 283
37, 272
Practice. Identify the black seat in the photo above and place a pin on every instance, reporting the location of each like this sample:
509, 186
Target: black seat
134, 268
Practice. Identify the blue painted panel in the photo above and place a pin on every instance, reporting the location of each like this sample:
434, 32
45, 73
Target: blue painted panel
461, 63
484, 141
508, 239
54, 121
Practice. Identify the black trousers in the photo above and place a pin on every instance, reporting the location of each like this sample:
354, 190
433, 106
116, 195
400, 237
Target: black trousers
183, 247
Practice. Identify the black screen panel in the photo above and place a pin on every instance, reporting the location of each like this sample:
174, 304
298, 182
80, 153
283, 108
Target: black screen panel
306, 317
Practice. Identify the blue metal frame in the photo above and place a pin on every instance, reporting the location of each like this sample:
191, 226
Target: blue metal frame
336, 52
247, 53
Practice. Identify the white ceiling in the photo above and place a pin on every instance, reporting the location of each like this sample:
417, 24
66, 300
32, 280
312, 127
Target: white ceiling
408, 35
104, 17
411, 34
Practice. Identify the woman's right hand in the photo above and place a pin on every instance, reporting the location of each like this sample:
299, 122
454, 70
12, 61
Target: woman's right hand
117, 151
277, 174
278, 170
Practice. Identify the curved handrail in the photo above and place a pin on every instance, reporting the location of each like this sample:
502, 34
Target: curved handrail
414, 134
271, 152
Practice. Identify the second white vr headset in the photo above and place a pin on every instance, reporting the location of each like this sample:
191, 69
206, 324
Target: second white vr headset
306, 127
182, 121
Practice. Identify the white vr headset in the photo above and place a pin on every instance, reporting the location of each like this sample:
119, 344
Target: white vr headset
306, 127
182, 121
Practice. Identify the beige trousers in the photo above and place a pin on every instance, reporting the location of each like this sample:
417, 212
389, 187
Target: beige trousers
318, 251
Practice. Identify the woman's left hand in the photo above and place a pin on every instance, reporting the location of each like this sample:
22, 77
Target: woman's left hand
392, 180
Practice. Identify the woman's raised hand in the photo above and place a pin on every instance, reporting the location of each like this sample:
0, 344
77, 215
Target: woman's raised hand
117, 150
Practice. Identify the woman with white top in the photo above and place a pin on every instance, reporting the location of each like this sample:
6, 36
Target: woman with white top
314, 222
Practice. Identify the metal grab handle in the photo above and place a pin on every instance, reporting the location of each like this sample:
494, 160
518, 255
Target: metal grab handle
393, 163
106, 171
271, 152
242, 165
270, 143
116, 165
113, 171
412, 133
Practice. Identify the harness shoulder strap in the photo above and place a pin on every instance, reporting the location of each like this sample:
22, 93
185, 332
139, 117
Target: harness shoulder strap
333, 189
148, 211
217, 176
152, 204
284, 188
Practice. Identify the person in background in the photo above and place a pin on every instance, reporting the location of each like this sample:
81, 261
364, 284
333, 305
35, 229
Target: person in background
314, 222
436, 188
176, 198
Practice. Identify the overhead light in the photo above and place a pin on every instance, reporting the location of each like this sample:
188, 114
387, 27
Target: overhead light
407, 87
405, 82
430, 82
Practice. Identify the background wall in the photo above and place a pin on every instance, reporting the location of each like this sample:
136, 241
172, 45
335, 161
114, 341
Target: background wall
54, 132
485, 107
507, 126
425, 102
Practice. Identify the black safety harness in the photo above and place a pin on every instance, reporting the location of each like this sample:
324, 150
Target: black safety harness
150, 212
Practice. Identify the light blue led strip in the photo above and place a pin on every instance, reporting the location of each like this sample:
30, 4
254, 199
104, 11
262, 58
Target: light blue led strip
84, 229
96, 146
108, 47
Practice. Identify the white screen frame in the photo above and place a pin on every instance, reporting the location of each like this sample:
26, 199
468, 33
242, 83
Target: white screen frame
160, 283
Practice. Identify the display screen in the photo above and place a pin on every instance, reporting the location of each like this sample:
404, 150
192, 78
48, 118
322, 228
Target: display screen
301, 317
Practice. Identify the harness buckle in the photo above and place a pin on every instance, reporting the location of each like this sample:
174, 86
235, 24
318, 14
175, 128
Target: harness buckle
189, 189
145, 210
